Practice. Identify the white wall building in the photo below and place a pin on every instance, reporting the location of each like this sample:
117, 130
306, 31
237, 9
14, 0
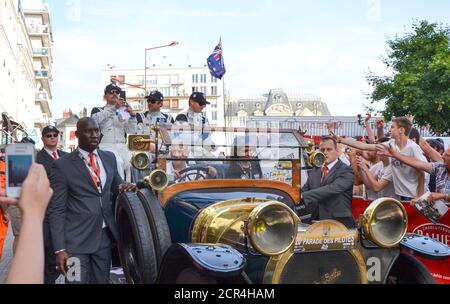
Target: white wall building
25, 61
67, 128
38, 23
176, 84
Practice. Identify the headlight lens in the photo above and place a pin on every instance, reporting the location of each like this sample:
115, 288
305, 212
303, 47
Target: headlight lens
317, 159
140, 161
272, 228
157, 180
385, 222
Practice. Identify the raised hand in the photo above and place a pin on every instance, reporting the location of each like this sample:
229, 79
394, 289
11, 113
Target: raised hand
383, 150
330, 128
380, 123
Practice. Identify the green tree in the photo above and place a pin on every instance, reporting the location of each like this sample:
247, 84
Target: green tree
420, 83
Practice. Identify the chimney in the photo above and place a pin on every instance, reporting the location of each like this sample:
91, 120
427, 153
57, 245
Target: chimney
83, 113
67, 113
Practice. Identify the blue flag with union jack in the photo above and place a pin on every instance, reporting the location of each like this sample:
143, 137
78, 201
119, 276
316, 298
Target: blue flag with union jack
216, 63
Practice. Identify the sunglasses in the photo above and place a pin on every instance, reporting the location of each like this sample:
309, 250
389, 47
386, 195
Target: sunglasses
51, 136
114, 92
153, 101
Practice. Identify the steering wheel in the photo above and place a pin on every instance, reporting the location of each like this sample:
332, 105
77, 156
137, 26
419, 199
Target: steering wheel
192, 173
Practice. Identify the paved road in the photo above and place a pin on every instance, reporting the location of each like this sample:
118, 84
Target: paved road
5, 263
116, 274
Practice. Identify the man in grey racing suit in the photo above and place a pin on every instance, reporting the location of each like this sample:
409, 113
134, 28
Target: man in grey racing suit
154, 116
114, 127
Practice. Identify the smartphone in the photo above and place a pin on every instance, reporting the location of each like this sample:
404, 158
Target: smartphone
123, 95
19, 158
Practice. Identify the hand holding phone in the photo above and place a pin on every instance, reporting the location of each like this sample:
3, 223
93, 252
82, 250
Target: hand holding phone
19, 158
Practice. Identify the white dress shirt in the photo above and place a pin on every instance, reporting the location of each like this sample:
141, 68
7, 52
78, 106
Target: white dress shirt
50, 152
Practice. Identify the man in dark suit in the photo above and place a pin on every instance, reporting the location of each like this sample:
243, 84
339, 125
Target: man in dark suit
47, 157
328, 192
81, 216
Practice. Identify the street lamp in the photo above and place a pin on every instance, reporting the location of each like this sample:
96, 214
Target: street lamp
174, 43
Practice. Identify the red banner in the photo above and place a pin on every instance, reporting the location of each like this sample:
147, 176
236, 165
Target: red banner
421, 225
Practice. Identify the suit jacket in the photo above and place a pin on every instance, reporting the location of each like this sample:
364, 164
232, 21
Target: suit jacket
77, 209
332, 199
46, 160
43, 158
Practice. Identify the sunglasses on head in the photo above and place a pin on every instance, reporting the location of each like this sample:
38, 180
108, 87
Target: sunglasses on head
114, 92
51, 136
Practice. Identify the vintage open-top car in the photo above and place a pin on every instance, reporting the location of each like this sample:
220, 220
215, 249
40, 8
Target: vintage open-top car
217, 206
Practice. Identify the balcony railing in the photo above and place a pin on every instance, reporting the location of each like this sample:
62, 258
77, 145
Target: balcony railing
41, 96
38, 30
43, 8
41, 51
42, 73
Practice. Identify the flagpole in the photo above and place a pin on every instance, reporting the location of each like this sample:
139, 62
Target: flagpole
224, 103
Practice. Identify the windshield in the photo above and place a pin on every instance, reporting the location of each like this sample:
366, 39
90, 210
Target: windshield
219, 153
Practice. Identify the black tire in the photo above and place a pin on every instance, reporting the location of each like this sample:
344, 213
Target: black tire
158, 223
408, 270
136, 249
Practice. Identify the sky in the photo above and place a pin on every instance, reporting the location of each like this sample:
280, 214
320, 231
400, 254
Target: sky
322, 47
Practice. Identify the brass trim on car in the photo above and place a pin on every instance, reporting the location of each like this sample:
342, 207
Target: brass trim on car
361, 265
139, 142
276, 265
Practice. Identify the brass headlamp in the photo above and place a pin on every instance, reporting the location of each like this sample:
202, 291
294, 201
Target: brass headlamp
385, 222
157, 180
315, 158
272, 228
140, 160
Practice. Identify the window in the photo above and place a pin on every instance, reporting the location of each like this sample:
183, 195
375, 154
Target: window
213, 79
214, 116
175, 104
214, 104
214, 91
241, 105
242, 121
195, 78
152, 79
175, 91
258, 105
194, 89
166, 103
203, 90
203, 78
165, 91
